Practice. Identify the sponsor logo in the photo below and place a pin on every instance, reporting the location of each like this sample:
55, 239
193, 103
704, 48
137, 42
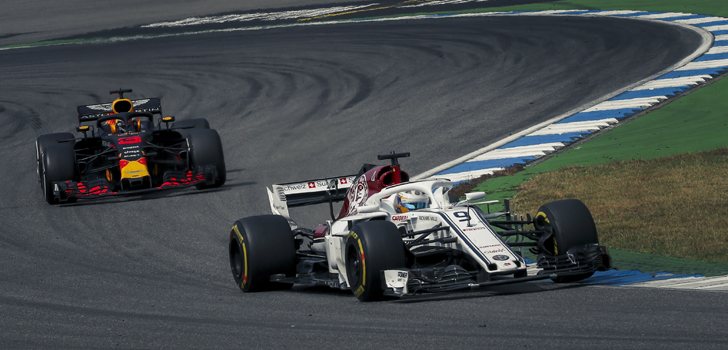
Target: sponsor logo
293, 187
140, 102
281, 194
107, 106
357, 195
493, 251
129, 140
399, 217
501, 257
100, 107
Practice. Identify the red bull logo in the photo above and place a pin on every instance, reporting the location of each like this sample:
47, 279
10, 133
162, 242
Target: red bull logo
133, 169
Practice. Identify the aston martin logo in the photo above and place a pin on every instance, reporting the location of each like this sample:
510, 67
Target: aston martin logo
106, 107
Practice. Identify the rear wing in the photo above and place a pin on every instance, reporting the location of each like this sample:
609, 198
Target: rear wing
89, 113
296, 194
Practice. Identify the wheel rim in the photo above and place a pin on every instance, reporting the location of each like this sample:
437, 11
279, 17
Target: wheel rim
353, 266
236, 261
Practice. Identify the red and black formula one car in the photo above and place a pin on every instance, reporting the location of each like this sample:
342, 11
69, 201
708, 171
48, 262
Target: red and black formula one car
125, 149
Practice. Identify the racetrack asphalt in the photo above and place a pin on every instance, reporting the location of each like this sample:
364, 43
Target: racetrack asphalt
301, 103
31, 20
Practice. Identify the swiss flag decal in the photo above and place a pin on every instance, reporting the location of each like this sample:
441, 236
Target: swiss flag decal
311, 185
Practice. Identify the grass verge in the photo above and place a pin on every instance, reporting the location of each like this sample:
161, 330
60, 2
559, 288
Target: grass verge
678, 214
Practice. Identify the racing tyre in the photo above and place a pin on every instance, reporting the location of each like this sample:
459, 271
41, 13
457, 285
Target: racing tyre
372, 247
58, 164
261, 246
197, 123
43, 141
572, 225
206, 149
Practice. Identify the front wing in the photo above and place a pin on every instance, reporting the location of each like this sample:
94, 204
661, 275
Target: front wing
72, 190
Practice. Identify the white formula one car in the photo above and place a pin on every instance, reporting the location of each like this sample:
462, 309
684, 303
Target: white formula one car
396, 238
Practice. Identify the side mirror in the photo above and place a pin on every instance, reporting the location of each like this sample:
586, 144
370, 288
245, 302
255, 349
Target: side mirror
167, 119
367, 208
474, 196
84, 129
471, 197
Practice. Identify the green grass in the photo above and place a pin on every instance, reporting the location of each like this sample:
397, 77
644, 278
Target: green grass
677, 214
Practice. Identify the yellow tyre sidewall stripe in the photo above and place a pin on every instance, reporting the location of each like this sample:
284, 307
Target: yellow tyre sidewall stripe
546, 220
241, 241
362, 281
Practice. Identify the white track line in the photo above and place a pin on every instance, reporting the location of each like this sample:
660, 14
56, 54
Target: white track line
718, 27
613, 13
440, 2
563, 128
520, 151
263, 16
468, 175
704, 64
640, 102
700, 20
663, 15
718, 49
673, 82
702, 283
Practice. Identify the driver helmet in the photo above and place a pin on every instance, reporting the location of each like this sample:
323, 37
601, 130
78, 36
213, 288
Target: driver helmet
138, 123
114, 126
411, 200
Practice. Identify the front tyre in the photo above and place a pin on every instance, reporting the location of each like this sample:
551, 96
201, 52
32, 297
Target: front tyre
58, 164
260, 247
49, 140
569, 224
371, 248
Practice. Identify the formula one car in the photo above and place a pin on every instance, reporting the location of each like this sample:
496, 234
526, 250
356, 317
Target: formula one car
395, 238
125, 149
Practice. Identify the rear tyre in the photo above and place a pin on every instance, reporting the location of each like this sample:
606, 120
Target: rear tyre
206, 149
58, 164
259, 247
571, 225
372, 247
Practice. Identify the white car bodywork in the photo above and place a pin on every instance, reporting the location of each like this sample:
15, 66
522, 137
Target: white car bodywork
464, 226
